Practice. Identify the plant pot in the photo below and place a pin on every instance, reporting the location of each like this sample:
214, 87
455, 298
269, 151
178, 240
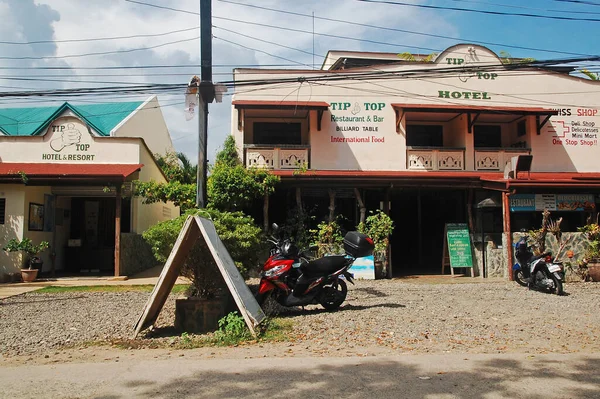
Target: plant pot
37, 264
28, 275
199, 315
594, 271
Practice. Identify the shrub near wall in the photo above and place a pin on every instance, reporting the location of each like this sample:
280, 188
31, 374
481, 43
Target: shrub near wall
243, 239
136, 254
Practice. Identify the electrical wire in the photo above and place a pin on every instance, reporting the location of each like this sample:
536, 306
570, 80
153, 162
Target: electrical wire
259, 51
487, 12
268, 42
354, 23
100, 38
102, 52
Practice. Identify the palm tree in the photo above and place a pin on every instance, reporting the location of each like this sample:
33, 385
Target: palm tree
411, 57
189, 172
506, 58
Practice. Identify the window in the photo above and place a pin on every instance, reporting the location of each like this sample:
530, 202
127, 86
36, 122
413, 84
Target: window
425, 135
273, 133
2, 210
521, 128
488, 136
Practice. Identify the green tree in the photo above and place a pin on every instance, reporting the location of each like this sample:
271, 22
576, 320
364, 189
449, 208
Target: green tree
231, 186
240, 235
590, 74
507, 59
408, 56
180, 187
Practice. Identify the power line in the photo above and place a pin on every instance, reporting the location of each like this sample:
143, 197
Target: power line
268, 42
488, 12
326, 34
100, 38
402, 30
101, 53
259, 51
522, 7
162, 7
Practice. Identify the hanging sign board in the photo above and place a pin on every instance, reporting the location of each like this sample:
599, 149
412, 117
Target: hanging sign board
552, 202
459, 245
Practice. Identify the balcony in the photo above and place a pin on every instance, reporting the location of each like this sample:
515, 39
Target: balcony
494, 159
276, 157
425, 158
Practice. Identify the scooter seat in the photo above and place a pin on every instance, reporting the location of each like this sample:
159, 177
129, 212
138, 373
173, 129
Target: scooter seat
325, 265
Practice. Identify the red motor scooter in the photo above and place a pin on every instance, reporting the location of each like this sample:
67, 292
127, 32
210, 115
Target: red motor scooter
293, 279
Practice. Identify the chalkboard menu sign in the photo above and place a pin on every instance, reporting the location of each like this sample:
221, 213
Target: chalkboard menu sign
459, 245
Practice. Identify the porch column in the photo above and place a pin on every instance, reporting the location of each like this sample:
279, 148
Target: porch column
507, 231
386, 210
118, 230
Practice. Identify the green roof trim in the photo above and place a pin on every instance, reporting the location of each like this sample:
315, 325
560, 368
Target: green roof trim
33, 121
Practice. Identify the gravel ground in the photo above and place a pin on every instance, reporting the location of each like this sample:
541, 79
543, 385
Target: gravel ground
395, 316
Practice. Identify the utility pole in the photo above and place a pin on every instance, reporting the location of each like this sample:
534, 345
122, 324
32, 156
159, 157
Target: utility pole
206, 94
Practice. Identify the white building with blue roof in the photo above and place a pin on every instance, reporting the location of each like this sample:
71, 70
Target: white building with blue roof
66, 176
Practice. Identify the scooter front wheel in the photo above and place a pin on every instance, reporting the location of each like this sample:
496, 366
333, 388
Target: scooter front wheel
333, 295
519, 277
558, 285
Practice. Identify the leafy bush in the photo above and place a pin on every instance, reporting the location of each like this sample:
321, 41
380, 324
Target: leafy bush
232, 330
328, 238
240, 235
378, 225
27, 246
231, 186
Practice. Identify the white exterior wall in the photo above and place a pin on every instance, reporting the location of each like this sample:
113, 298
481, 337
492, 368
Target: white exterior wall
13, 226
68, 140
36, 195
556, 149
147, 122
147, 215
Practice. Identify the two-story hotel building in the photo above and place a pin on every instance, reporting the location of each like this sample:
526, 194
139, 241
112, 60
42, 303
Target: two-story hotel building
427, 142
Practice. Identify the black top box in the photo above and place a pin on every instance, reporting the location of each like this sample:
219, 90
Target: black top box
358, 245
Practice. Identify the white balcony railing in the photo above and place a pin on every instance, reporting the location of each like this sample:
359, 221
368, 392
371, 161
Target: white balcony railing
435, 159
496, 159
275, 157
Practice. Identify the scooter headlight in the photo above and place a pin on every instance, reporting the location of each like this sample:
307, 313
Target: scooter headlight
274, 271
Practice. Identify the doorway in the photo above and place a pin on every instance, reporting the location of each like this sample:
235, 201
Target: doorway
419, 217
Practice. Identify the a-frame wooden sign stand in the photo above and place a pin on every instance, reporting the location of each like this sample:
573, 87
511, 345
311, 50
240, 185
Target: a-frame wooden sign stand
196, 228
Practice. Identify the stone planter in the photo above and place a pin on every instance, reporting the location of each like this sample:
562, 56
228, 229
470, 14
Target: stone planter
199, 315
28, 275
594, 271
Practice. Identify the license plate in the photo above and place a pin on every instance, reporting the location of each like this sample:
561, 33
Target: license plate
553, 268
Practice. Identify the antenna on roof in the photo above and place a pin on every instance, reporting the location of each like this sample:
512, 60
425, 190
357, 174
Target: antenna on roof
313, 52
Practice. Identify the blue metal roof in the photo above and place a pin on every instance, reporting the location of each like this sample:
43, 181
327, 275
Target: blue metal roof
33, 121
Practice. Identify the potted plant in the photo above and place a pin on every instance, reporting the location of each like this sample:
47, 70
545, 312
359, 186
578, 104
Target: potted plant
591, 259
34, 263
378, 225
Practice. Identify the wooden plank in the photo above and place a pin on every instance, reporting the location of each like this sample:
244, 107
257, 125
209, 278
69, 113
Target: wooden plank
249, 308
168, 276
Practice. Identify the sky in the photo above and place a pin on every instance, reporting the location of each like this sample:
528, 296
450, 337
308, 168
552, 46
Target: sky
84, 37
